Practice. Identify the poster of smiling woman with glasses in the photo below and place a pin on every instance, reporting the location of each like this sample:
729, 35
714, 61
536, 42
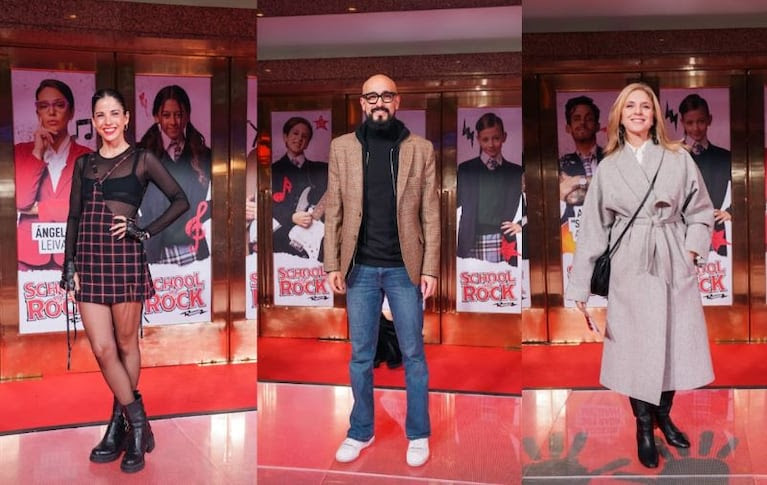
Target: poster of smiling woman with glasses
51, 128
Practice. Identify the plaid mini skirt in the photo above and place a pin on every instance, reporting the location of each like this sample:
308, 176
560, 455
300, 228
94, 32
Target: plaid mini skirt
487, 247
111, 270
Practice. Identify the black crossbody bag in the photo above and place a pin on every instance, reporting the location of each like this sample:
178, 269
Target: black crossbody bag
600, 278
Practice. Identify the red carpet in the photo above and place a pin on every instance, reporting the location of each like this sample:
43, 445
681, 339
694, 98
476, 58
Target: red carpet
84, 398
451, 367
577, 366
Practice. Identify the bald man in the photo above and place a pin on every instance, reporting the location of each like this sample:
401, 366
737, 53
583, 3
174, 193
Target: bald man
382, 237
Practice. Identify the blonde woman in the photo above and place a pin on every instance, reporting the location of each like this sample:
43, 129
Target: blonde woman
655, 340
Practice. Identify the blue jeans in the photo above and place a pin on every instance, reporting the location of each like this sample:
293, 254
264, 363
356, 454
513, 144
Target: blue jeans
365, 288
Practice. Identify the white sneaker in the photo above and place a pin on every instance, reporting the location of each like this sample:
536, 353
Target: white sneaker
418, 452
350, 449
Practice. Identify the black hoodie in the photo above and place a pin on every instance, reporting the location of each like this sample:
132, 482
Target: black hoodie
378, 244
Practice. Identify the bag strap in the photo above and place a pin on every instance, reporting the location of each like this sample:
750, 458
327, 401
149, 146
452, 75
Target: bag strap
109, 172
636, 213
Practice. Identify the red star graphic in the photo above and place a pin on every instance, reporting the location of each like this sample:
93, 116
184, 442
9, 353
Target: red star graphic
321, 123
508, 249
718, 240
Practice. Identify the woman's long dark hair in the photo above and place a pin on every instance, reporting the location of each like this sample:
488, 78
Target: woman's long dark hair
152, 139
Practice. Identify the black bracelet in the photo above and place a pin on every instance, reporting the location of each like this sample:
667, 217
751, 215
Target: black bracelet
133, 231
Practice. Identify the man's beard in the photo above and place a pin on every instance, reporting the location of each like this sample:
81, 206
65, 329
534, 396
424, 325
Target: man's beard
585, 136
382, 124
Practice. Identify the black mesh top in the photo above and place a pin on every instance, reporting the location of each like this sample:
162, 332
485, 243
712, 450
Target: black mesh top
123, 180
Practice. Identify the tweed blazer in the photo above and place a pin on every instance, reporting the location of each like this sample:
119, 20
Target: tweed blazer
418, 221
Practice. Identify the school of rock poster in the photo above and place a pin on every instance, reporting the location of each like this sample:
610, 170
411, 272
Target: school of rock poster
581, 121
50, 130
173, 120
490, 210
701, 117
251, 191
300, 147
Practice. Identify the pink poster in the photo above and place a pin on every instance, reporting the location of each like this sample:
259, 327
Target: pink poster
414, 119
251, 209
51, 128
300, 146
701, 117
172, 119
581, 122
490, 211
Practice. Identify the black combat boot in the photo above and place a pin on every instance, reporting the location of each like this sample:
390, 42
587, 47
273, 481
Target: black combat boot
674, 437
643, 411
113, 442
140, 439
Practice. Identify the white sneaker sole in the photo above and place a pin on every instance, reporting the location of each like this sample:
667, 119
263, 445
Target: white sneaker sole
365, 444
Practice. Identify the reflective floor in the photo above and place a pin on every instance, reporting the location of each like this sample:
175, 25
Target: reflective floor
475, 438
567, 437
589, 437
206, 450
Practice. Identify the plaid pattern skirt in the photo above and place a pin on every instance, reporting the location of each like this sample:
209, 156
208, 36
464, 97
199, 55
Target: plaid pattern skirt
111, 270
487, 247
180, 255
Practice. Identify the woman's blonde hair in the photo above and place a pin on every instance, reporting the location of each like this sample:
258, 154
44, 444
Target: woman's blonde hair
657, 131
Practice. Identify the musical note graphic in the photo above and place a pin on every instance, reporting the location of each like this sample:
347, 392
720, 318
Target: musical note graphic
194, 227
286, 188
82, 122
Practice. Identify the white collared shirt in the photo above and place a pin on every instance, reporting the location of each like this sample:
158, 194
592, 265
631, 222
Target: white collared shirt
57, 160
166, 141
639, 151
691, 143
298, 161
590, 159
486, 160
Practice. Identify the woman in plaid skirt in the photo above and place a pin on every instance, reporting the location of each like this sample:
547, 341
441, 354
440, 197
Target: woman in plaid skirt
489, 190
106, 267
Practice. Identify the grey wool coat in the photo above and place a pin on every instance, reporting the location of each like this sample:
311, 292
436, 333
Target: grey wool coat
656, 337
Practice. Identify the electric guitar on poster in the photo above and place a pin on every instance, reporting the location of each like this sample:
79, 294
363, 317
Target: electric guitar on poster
308, 239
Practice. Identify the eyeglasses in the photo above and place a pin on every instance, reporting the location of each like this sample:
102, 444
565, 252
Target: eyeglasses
372, 98
57, 104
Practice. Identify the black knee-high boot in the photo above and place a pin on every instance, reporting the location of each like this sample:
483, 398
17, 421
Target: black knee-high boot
674, 437
140, 439
382, 349
113, 442
643, 411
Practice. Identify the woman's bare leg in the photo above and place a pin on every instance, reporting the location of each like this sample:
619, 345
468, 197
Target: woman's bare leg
97, 320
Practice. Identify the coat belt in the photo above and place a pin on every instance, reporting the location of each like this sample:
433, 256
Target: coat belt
659, 247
